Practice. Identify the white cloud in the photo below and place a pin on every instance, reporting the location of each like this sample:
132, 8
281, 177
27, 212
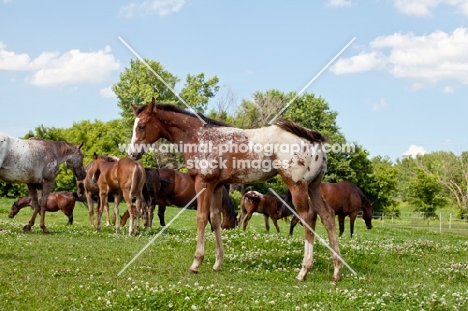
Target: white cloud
427, 58
160, 7
380, 105
414, 150
425, 7
448, 89
107, 92
338, 3
363, 62
51, 68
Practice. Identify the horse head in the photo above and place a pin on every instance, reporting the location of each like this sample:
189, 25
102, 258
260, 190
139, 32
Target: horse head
146, 129
367, 211
14, 210
75, 163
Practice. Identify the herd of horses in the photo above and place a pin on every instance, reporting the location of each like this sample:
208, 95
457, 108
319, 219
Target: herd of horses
36, 161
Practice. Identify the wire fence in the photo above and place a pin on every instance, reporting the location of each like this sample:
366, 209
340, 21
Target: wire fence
440, 221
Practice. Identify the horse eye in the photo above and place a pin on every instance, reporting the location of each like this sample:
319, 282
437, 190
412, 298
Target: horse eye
142, 127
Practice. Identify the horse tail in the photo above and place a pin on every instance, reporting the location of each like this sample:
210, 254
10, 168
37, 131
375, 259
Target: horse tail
137, 178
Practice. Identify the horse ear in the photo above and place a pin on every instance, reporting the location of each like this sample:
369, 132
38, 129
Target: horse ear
150, 107
135, 110
95, 156
81, 145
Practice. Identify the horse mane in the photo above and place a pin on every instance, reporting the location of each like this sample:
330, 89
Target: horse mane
176, 109
230, 206
296, 129
62, 146
364, 200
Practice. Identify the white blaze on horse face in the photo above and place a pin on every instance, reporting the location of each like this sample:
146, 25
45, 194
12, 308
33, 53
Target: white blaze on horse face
134, 137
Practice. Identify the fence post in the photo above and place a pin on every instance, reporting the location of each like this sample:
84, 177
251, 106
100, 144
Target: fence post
450, 221
440, 222
383, 216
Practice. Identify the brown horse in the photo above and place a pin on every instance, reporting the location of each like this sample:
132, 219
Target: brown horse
57, 201
88, 188
346, 199
125, 177
217, 154
36, 162
178, 189
255, 202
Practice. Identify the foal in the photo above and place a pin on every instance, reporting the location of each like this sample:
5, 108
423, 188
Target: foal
300, 161
255, 202
126, 177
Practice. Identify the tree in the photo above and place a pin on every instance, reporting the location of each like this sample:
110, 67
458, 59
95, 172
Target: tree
138, 85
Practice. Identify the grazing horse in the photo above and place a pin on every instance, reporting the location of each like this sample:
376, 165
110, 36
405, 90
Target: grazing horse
218, 154
178, 189
57, 201
346, 199
125, 177
255, 202
36, 162
90, 189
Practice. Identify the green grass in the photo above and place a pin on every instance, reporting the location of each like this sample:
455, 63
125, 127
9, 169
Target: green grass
75, 268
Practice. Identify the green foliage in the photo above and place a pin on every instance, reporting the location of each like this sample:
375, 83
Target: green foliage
424, 192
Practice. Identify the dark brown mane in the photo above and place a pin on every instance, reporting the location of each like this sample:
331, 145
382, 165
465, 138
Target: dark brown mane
176, 109
300, 131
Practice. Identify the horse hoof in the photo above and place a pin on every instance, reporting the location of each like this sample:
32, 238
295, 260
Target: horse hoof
27, 228
298, 280
45, 230
191, 271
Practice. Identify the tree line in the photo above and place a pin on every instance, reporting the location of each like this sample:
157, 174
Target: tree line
427, 182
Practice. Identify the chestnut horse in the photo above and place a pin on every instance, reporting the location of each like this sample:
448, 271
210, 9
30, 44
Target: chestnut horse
218, 154
178, 189
255, 202
57, 201
90, 190
36, 163
125, 177
346, 199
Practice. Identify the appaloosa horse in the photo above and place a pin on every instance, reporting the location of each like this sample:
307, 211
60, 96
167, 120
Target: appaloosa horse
36, 162
225, 154
256, 202
57, 201
88, 188
178, 189
346, 199
126, 177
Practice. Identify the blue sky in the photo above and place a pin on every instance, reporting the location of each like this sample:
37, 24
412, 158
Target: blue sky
401, 85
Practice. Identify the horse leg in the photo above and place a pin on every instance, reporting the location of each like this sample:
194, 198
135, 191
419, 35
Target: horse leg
294, 222
102, 203
133, 226
275, 222
267, 223
215, 217
327, 216
46, 189
303, 205
36, 208
203, 210
352, 220
246, 220
89, 199
341, 220
117, 199
161, 211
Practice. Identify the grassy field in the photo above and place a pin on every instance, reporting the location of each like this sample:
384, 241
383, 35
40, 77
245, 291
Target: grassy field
75, 268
